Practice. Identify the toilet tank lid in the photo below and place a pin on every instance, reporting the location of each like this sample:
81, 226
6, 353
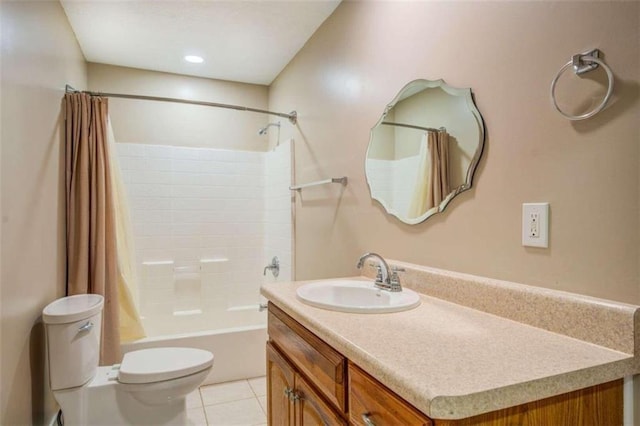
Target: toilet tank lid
160, 364
72, 308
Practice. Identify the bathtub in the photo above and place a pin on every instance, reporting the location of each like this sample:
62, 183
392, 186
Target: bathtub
196, 304
239, 352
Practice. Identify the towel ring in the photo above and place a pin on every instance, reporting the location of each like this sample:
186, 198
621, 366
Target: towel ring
583, 63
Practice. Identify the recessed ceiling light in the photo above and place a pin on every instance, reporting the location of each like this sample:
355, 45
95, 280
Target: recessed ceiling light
194, 59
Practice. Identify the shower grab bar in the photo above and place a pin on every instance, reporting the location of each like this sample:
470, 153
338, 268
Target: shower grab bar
342, 180
292, 116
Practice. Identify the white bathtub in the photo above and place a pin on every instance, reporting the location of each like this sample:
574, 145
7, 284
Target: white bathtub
239, 353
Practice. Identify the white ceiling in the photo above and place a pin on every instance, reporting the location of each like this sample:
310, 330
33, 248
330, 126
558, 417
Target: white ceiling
247, 41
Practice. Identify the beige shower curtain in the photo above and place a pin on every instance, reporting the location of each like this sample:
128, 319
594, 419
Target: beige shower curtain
130, 323
99, 247
432, 184
439, 159
91, 236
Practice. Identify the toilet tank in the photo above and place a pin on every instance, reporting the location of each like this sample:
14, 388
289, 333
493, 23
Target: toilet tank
73, 328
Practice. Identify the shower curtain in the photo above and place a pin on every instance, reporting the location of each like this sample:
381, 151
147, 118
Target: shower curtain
130, 323
91, 239
92, 257
432, 184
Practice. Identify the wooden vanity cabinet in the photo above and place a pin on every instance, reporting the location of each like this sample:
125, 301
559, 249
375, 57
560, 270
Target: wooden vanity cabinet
310, 383
307, 383
311, 410
290, 398
371, 403
280, 382
306, 378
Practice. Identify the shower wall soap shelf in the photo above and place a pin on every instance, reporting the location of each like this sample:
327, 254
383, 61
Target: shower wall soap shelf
341, 180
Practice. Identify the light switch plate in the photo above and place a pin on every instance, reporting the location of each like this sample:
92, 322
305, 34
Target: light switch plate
535, 225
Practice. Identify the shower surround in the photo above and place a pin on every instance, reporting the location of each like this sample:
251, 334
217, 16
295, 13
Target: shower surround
394, 181
206, 222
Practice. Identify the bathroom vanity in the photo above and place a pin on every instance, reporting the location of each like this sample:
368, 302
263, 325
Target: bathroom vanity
296, 357
448, 363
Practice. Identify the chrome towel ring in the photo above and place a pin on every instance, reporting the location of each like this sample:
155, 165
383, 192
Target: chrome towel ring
582, 63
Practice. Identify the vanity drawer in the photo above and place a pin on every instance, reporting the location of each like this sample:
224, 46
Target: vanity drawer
371, 403
323, 365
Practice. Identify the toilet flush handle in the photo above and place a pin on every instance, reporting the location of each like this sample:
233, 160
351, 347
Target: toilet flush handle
88, 326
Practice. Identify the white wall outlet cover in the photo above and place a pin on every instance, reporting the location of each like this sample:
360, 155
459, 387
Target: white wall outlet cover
535, 225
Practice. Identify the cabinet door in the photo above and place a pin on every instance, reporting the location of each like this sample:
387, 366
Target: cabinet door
310, 408
320, 363
371, 403
280, 383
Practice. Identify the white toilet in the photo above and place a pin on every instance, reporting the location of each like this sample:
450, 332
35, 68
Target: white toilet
149, 387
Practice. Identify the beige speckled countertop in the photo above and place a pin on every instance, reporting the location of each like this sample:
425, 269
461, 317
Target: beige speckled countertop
453, 362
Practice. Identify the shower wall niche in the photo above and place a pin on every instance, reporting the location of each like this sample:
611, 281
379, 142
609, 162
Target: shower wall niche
205, 223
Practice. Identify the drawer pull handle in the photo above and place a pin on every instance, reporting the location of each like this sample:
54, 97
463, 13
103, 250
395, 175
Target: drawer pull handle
367, 421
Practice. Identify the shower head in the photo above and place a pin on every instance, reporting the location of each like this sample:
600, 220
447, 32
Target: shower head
263, 131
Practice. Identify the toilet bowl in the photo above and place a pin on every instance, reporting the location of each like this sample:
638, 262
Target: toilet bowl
149, 387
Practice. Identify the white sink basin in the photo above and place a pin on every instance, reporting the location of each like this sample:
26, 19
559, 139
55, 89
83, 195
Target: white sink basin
356, 297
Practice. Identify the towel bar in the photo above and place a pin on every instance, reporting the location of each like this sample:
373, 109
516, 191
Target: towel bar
342, 180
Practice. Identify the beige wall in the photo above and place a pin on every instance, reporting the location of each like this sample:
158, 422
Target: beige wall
508, 53
39, 55
339, 83
162, 123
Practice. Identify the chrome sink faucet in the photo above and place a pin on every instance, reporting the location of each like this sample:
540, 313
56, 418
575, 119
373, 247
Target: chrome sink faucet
387, 278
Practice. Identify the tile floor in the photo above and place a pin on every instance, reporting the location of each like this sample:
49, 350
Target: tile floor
226, 404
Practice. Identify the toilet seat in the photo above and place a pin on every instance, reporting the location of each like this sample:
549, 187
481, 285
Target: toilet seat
162, 364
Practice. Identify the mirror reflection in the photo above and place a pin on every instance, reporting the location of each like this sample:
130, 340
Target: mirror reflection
424, 149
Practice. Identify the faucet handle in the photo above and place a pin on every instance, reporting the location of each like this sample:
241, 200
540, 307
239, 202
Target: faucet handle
379, 276
395, 279
376, 265
274, 267
394, 275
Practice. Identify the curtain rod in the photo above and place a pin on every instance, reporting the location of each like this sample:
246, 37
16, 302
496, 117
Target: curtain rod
411, 126
292, 116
